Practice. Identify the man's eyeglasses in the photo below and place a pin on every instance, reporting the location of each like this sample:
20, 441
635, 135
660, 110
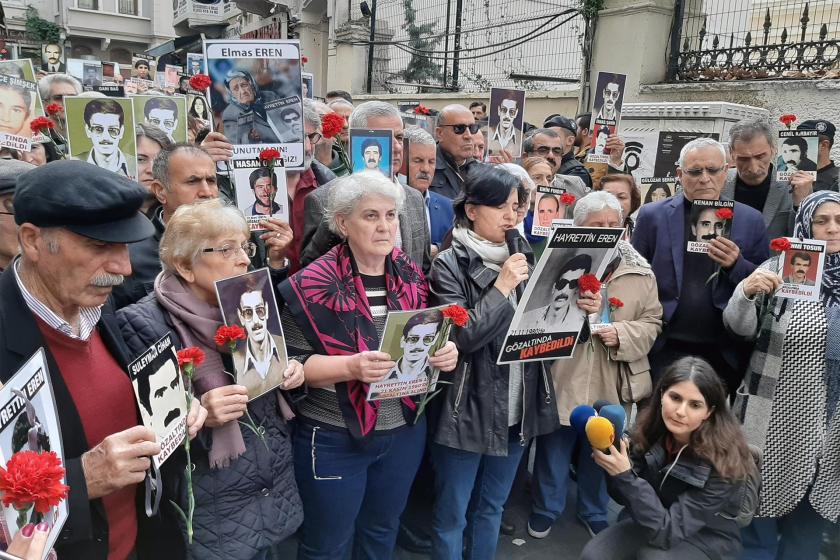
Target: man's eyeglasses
414, 339
614, 94
248, 312
315, 137
461, 128
113, 131
508, 110
162, 124
249, 248
545, 150
712, 171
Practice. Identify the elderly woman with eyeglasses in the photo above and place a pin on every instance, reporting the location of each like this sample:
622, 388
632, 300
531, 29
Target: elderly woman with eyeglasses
355, 459
246, 498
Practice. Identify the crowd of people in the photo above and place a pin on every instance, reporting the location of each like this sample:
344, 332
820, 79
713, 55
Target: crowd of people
734, 448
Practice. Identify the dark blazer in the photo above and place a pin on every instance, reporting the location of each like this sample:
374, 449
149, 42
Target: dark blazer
778, 210
660, 238
85, 533
441, 217
318, 239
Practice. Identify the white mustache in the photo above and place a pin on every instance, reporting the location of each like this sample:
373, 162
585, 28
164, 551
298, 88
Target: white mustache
423, 175
106, 280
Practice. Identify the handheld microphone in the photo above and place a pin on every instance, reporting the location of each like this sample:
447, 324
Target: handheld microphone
579, 416
599, 404
600, 433
617, 417
512, 240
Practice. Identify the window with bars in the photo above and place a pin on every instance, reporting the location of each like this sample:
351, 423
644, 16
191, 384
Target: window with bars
128, 7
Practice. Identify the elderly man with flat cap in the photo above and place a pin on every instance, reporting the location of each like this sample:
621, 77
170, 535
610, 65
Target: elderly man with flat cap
10, 170
74, 221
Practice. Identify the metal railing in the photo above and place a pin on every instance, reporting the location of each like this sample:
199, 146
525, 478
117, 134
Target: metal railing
754, 39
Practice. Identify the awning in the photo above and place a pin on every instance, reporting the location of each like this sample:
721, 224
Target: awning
188, 42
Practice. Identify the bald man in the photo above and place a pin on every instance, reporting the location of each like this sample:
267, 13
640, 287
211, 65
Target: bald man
454, 134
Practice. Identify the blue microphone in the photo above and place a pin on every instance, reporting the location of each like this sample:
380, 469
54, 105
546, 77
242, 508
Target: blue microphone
618, 418
599, 404
579, 416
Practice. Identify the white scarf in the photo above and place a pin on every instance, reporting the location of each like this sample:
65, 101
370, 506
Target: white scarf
492, 254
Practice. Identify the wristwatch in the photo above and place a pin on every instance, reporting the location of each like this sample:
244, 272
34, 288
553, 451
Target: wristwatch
284, 263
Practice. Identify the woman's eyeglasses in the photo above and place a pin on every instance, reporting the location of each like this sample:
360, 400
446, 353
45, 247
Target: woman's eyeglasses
461, 128
249, 248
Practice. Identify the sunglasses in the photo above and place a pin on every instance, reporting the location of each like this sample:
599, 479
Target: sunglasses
712, 171
461, 128
562, 283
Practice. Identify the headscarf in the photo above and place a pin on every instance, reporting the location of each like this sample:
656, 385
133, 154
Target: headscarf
257, 105
830, 292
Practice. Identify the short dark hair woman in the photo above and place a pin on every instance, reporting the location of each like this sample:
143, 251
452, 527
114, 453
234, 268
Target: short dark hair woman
487, 415
682, 481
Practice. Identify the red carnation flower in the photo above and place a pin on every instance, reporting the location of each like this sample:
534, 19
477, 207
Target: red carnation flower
54, 109
457, 314
332, 123
228, 336
268, 155
32, 478
421, 110
589, 283
304, 59
787, 120
200, 82
780, 244
567, 199
724, 213
41, 124
191, 355
615, 303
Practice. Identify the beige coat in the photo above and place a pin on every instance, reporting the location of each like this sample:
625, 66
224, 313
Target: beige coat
589, 374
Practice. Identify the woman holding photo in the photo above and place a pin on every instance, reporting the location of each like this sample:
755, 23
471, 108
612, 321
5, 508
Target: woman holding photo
789, 398
486, 417
685, 476
246, 499
355, 459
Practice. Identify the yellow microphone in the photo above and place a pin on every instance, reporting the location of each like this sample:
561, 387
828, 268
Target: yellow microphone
600, 433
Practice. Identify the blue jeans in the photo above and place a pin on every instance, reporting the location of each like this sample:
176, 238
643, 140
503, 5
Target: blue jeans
457, 475
551, 476
353, 494
795, 536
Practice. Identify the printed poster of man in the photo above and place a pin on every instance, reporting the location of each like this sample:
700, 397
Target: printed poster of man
708, 219
168, 113
668, 150
30, 423
257, 188
17, 109
172, 75
802, 269
260, 99
547, 321
195, 64
548, 207
260, 360
370, 149
408, 337
507, 108
308, 84
654, 189
160, 394
606, 111
101, 131
797, 151
52, 58
91, 74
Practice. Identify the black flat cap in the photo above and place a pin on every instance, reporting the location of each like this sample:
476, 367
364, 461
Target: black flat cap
560, 121
84, 199
10, 170
821, 125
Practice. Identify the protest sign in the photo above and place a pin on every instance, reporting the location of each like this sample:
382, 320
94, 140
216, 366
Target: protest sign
797, 151
506, 118
101, 131
708, 219
168, 113
260, 360
606, 114
371, 149
159, 389
17, 98
257, 187
802, 269
547, 321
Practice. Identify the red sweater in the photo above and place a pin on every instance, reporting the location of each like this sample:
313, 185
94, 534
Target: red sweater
105, 402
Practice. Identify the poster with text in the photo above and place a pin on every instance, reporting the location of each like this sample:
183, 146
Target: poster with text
91, 74
409, 337
654, 189
606, 113
370, 149
168, 113
29, 422
708, 219
17, 103
548, 321
668, 150
195, 64
802, 269
797, 151
101, 131
143, 67
161, 396
506, 119
172, 75
260, 360
258, 100
260, 191
550, 204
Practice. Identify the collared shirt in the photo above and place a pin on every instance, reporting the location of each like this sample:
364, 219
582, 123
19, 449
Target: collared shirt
121, 167
509, 138
88, 316
261, 366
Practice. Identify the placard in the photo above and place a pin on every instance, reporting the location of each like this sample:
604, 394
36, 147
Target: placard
168, 113
370, 149
101, 131
548, 207
507, 109
52, 58
547, 322
161, 397
708, 219
802, 269
654, 189
257, 188
606, 112
18, 101
797, 151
